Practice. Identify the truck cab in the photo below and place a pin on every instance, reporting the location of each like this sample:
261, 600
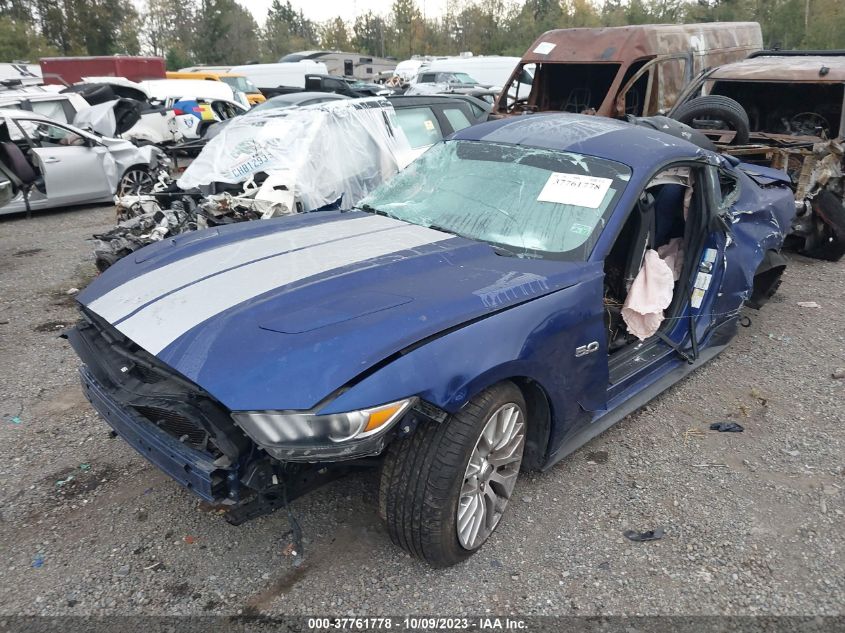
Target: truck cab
617, 71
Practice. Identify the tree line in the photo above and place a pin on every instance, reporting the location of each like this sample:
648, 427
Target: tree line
225, 32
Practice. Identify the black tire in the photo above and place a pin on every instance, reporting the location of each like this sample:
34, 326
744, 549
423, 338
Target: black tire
719, 108
767, 279
830, 214
422, 476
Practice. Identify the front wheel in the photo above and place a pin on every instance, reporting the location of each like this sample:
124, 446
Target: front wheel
445, 488
135, 182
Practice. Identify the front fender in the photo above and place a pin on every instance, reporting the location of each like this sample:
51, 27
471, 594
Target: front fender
535, 340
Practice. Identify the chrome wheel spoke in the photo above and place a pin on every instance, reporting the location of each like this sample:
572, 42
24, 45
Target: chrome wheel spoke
476, 462
510, 451
478, 521
470, 487
503, 481
467, 512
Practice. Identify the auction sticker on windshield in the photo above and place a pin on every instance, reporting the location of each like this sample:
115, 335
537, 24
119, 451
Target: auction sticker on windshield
575, 189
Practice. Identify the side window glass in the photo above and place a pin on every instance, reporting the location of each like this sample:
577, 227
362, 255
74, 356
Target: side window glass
50, 109
728, 189
15, 132
419, 125
49, 135
457, 119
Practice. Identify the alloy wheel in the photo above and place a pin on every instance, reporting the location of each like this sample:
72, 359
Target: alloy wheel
490, 475
135, 182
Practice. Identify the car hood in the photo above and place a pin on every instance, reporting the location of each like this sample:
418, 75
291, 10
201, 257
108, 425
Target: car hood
280, 314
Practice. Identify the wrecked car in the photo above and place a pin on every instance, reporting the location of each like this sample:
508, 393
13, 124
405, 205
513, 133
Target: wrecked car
508, 296
614, 71
783, 109
265, 164
53, 164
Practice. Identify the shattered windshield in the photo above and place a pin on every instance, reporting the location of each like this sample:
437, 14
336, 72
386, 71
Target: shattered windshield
526, 201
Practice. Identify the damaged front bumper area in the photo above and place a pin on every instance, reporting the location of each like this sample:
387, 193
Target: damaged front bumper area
192, 437
171, 422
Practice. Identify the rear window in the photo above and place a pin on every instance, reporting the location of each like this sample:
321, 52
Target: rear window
420, 126
457, 119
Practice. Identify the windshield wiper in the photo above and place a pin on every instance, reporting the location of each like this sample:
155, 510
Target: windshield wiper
443, 229
371, 209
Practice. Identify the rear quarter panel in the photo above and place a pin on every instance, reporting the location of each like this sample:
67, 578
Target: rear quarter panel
760, 219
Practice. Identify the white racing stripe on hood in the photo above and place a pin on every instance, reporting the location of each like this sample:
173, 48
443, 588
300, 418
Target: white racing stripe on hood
128, 297
159, 324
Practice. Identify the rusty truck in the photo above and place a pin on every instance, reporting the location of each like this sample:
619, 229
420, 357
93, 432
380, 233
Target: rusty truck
636, 70
783, 109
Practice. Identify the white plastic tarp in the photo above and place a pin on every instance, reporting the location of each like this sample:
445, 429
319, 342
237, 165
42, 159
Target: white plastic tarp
329, 151
98, 118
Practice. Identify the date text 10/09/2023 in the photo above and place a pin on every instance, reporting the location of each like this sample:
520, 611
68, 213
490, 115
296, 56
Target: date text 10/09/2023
421, 623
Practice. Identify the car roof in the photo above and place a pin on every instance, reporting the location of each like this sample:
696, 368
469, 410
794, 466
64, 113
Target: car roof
299, 97
633, 145
15, 113
414, 100
784, 68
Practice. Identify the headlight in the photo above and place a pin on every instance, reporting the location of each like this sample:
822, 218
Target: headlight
294, 435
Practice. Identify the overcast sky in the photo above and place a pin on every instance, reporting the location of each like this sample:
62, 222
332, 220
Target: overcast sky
319, 10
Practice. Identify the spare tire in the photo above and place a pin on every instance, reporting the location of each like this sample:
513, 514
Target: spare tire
715, 108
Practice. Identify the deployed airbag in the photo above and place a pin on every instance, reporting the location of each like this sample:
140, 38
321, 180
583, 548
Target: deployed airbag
649, 296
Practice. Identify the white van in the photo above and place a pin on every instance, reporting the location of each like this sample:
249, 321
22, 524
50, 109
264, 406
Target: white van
488, 70
287, 74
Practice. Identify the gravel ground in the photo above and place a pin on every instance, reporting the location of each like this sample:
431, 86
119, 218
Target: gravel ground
754, 521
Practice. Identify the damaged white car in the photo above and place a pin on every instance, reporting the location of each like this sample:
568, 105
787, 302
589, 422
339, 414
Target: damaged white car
268, 164
54, 164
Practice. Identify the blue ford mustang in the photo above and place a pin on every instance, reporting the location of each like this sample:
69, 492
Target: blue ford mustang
463, 323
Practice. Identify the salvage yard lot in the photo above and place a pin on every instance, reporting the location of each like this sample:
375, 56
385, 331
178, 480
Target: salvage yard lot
753, 521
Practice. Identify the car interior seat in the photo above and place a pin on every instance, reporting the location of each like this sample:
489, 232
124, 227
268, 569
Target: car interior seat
14, 160
668, 213
642, 237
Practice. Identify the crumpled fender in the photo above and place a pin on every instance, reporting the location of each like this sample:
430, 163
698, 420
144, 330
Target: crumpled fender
760, 220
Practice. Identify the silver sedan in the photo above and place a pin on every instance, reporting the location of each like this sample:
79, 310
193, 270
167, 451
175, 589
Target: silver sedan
58, 164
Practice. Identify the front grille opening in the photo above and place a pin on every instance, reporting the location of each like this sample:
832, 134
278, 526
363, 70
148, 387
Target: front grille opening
183, 429
146, 375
